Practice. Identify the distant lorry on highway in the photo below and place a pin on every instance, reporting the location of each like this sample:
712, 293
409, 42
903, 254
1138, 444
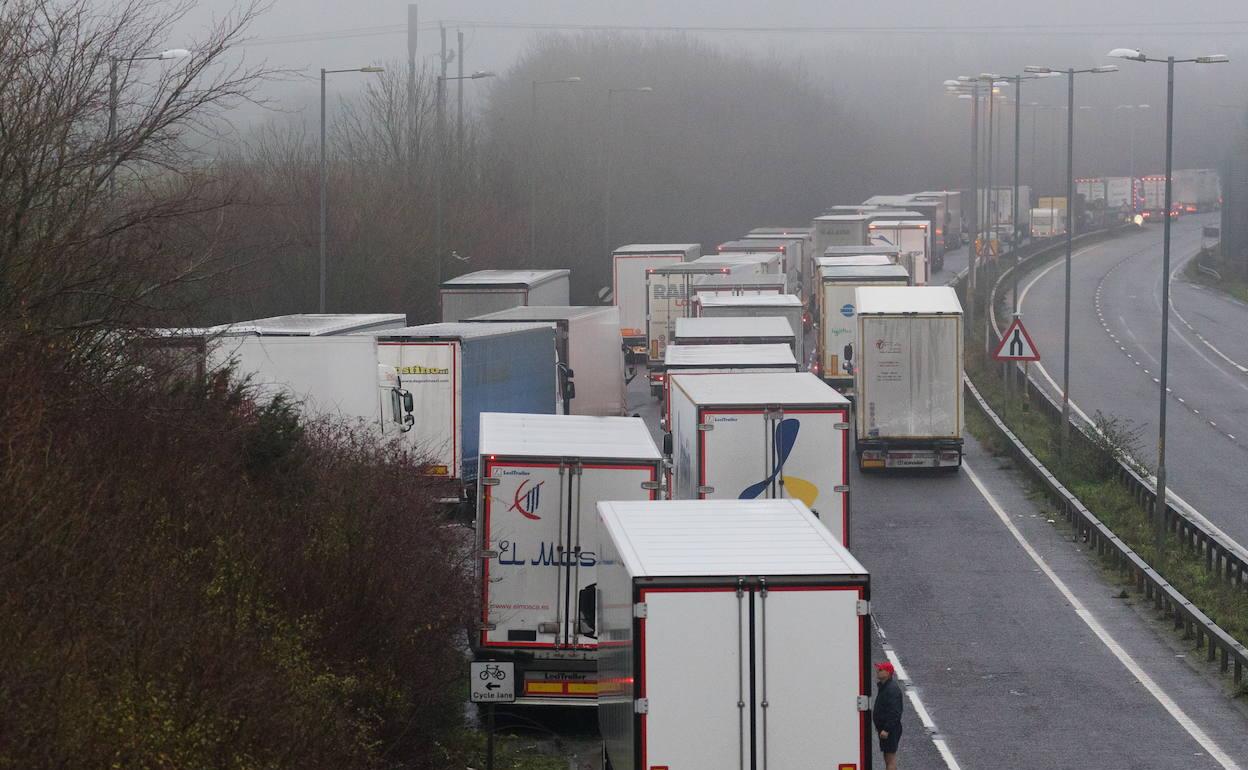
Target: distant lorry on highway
749, 648
911, 238
1118, 190
789, 252
1048, 223
590, 367
908, 378
837, 341
1093, 191
839, 230
954, 225
736, 330
628, 281
722, 359
786, 306
542, 477
805, 237
488, 290
758, 436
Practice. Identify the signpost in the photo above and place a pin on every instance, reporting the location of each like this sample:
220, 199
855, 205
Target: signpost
491, 682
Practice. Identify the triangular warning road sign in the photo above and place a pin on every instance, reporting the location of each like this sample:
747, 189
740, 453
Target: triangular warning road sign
1016, 344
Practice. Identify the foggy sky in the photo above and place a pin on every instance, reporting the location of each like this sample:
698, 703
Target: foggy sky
891, 80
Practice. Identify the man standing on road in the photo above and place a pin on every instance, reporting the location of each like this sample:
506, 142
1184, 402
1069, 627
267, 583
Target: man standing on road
887, 713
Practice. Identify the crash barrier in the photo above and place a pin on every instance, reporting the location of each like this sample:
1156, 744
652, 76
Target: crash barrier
1222, 556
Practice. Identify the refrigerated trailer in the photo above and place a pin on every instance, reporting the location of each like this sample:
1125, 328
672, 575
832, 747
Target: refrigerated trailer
628, 281
542, 477
908, 378
735, 634
839, 230
488, 290
591, 367
891, 252
911, 238
803, 235
786, 306
837, 341
455, 371
953, 223
789, 252
313, 324
748, 436
722, 359
1118, 191
735, 331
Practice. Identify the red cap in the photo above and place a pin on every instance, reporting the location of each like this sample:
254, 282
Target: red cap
885, 666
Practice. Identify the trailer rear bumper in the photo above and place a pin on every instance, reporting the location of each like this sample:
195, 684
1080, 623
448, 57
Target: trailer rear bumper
878, 455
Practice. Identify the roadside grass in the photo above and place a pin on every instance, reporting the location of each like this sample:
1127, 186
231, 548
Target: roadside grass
1230, 284
1098, 488
511, 752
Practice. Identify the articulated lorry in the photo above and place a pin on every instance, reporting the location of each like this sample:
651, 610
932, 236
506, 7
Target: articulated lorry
449, 373
805, 237
734, 634
838, 317
789, 251
750, 436
485, 291
908, 378
628, 280
786, 306
541, 479
839, 230
722, 359
911, 238
591, 369
1048, 223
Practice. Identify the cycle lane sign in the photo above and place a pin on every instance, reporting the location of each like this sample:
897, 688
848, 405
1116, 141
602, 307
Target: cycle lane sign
492, 682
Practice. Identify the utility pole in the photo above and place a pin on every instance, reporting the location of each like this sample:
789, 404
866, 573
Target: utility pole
459, 111
439, 167
973, 248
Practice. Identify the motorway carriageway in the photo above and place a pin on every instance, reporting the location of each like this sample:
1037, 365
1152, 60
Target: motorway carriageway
1016, 651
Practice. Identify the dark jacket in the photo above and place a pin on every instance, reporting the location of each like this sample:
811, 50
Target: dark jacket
888, 706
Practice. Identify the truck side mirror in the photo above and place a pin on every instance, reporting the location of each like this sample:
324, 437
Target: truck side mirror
667, 444
587, 610
847, 355
401, 407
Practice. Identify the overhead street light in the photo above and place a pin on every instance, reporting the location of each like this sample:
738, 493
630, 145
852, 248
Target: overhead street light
533, 162
1070, 74
1160, 525
607, 158
113, 63
324, 195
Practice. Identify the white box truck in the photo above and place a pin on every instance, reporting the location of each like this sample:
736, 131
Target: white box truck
452, 372
837, 341
908, 378
892, 253
762, 435
591, 367
789, 251
735, 634
314, 324
670, 291
722, 359
1048, 223
542, 478
488, 290
839, 230
628, 281
952, 223
1118, 193
804, 235
728, 330
1092, 190
911, 238
1153, 195
786, 306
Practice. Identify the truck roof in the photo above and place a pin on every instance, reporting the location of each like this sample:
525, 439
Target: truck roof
857, 251
543, 313
504, 278
841, 218
839, 272
564, 435
908, 300
657, 248
702, 538
756, 244
738, 257
457, 330
696, 266
748, 388
775, 354
883, 213
888, 200
855, 259
801, 232
731, 327
901, 224
751, 300
314, 324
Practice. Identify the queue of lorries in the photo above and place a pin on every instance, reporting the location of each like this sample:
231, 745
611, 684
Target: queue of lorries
601, 552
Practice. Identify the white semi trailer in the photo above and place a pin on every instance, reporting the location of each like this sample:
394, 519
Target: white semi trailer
734, 634
628, 280
488, 290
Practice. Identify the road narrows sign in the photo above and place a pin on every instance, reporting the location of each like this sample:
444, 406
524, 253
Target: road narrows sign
1016, 344
492, 682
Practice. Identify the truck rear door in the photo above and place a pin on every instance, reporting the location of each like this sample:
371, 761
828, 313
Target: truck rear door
430, 372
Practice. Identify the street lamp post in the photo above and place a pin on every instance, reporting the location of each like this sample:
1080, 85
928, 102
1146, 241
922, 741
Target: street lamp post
968, 88
606, 150
1131, 108
533, 164
439, 207
113, 95
1160, 524
1070, 197
324, 196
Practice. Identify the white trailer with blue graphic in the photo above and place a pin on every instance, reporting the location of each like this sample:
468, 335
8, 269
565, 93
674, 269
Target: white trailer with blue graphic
734, 635
759, 436
837, 341
541, 478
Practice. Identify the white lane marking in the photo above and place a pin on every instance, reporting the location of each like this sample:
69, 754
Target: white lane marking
1090, 620
938, 740
1171, 496
1242, 369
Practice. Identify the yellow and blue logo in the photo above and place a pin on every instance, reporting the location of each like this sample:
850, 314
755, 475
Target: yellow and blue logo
784, 438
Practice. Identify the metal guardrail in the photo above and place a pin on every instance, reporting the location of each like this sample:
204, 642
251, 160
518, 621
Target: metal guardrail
1223, 557
1209, 271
